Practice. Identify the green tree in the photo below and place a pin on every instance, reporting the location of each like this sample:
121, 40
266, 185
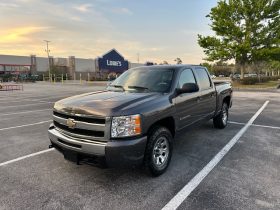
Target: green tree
178, 61
274, 67
246, 31
221, 68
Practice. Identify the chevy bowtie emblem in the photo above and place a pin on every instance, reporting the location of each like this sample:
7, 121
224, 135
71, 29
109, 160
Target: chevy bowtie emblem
71, 123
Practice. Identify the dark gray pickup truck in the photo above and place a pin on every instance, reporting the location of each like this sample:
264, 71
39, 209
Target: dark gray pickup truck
134, 121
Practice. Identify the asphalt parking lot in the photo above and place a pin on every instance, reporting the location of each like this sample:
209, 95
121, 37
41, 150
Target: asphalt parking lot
247, 177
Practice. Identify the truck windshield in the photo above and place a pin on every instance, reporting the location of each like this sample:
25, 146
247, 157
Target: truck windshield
144, 80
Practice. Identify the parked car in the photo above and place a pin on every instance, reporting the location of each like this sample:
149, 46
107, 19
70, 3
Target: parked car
236, 76
221, 75
134, 121
213, 76
252, 75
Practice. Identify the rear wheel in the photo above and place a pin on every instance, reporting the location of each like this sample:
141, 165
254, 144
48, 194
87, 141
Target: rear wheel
159, 150
221, 120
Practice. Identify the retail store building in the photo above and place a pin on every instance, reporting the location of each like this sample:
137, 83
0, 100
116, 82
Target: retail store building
111, 61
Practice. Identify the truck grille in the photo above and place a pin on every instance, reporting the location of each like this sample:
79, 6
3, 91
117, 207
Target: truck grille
82, 119
84, 128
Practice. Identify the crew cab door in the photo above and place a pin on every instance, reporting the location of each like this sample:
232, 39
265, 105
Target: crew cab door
186, 104
208, 92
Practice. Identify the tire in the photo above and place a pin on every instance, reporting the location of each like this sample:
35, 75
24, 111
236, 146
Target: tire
158, 151
221, 120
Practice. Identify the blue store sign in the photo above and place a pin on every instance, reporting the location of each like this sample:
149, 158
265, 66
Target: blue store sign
112, 62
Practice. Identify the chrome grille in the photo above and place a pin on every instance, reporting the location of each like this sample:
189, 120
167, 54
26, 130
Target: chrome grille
86, 127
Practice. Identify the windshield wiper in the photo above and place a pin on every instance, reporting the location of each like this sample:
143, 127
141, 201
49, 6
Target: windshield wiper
138, 87
118, 86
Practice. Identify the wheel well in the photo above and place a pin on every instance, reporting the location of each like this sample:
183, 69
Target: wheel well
227, 100
167, 122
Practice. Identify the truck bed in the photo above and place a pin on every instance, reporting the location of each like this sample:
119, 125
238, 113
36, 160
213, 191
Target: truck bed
216, 83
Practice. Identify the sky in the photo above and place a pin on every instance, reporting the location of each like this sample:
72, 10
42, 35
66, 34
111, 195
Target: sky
157, 30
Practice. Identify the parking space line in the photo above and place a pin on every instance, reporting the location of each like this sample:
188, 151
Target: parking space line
26, 156
6, 100
67, 94
255, 125
236, 123
24, 112
27, 104
266, 126
179, 198
19, 101
26, 125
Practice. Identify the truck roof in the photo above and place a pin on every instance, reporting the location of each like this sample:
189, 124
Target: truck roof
176, 67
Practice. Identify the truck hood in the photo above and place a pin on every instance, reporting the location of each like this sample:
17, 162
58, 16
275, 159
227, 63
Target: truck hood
103, 103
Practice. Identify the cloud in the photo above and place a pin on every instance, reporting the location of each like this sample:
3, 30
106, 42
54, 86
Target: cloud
20, 34
88, 29
76, 18
83, 7
154, 49
8, 5
122, 11
25, 1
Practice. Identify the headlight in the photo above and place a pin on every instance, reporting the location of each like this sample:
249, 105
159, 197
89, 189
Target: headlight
125, 126
58, 106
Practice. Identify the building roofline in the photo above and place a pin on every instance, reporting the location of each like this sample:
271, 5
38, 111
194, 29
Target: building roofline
111, 51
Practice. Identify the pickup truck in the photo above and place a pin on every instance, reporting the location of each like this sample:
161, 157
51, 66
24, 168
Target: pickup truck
133, 122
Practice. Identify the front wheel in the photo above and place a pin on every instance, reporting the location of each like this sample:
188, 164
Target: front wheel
221, 120
159, 150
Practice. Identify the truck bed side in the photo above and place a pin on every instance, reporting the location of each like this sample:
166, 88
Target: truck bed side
224, 92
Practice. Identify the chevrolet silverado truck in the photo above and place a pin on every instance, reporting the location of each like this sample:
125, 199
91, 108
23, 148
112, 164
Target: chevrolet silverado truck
135, 119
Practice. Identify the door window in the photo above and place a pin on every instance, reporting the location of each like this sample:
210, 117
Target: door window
186, 77
203, 78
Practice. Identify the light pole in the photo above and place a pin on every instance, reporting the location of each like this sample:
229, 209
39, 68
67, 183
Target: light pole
48, 53
138, 57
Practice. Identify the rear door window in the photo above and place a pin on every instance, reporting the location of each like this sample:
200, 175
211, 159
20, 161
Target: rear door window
203, 78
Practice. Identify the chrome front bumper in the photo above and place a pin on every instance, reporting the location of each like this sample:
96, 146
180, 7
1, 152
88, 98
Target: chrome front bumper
119, 153
79, 145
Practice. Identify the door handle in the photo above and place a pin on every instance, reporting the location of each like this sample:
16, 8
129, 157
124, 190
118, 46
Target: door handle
198, 99
212, 94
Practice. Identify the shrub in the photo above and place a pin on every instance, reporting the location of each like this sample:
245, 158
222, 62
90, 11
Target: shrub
6, 77
249, 81
254, 80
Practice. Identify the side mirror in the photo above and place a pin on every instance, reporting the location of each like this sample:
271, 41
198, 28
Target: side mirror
188, 88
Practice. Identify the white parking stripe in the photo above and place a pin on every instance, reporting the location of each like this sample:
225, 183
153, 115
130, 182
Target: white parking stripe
266, 126
47, 102
255, 125
26, 156
14, 113
19, 101
179, 198
7, 100
26, 125
67, 94
236, 123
